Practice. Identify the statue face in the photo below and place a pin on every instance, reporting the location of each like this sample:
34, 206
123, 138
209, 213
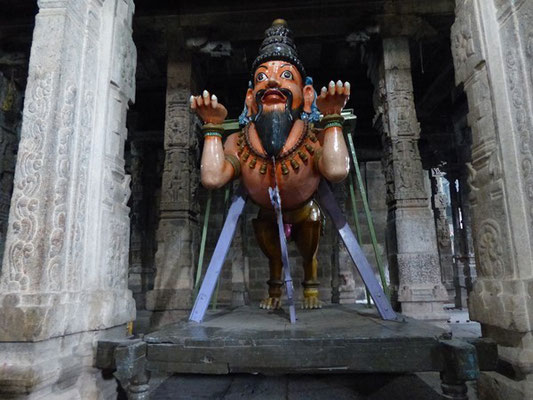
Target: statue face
274, 83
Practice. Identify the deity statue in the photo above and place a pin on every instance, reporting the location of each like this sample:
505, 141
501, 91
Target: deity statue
280, 144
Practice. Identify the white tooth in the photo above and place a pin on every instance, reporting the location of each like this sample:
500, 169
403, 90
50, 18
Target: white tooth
213, 97
339, 83
205, 94
331, 84
347, 85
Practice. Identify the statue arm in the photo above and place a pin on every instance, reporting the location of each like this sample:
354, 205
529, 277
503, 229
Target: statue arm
215, 169
334, 162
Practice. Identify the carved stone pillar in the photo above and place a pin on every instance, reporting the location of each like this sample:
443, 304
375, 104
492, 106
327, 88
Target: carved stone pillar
411, 240
10, 107
63, 282
344, 286
492, 47
465, 273
178, 232
439, 202
138, 223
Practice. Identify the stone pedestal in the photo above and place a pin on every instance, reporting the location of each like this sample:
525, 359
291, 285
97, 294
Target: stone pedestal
411, 241
66, 256
492, 46
178, 231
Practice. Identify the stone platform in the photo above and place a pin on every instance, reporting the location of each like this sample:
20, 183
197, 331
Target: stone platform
343, 338
335, 339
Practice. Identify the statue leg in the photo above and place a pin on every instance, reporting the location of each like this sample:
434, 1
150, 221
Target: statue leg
266, 233
307, 235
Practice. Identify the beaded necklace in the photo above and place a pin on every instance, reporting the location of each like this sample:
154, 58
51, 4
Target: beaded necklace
248, 151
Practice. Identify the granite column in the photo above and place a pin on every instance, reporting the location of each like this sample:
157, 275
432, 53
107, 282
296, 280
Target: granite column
411, 241
178, 231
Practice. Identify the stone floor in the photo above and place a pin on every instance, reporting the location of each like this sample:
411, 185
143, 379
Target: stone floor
424, 386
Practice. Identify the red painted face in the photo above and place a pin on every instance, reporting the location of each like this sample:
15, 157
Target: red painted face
271, 76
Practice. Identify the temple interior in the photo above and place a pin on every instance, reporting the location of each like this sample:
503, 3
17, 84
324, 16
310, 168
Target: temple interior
413, 111
335, 42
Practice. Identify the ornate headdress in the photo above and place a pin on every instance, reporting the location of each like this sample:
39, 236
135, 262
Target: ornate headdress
279, 45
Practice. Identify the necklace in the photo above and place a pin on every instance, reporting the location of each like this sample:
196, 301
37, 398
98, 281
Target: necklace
305, 141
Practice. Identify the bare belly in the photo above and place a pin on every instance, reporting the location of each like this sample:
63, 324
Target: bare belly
296, 187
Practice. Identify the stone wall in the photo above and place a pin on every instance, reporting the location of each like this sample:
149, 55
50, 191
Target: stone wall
492, 44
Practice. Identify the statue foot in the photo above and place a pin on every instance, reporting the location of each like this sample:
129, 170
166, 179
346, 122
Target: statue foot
270, 303
311, 303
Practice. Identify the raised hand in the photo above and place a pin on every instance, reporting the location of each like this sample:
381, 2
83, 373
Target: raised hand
333, 98
208, 108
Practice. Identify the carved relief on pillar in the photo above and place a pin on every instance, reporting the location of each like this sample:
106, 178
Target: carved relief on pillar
485, 180
402, 120
178, 231
521, 106
180, 181
56, 241
11, 98
403, 171
20, 249
49, 260
178, 124
505, 8
466, 40
411, 241
444, 243
409, 175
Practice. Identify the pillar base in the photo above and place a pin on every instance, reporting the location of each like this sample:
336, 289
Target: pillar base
56, 368
33, 317
502, 303
495, 386
162, 318
169, 299
425, 302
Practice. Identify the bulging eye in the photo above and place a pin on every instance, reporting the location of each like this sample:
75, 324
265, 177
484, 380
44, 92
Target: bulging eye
260, 77
286, 74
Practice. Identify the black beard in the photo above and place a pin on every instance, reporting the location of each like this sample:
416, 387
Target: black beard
274, 127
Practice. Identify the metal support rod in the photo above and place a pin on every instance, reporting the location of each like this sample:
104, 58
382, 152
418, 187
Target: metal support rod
214, 300
219, 256
275, 199
202, 242
355, 212
328, 203
369, 220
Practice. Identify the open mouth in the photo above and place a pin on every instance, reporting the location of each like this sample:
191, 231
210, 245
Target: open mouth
273, 95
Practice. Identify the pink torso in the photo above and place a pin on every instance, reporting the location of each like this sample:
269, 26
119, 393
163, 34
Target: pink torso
296, 174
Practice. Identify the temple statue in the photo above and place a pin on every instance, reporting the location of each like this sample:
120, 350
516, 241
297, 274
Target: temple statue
284, 141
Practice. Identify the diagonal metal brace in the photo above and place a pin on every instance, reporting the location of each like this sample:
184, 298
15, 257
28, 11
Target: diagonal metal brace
327, 201
219, 256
